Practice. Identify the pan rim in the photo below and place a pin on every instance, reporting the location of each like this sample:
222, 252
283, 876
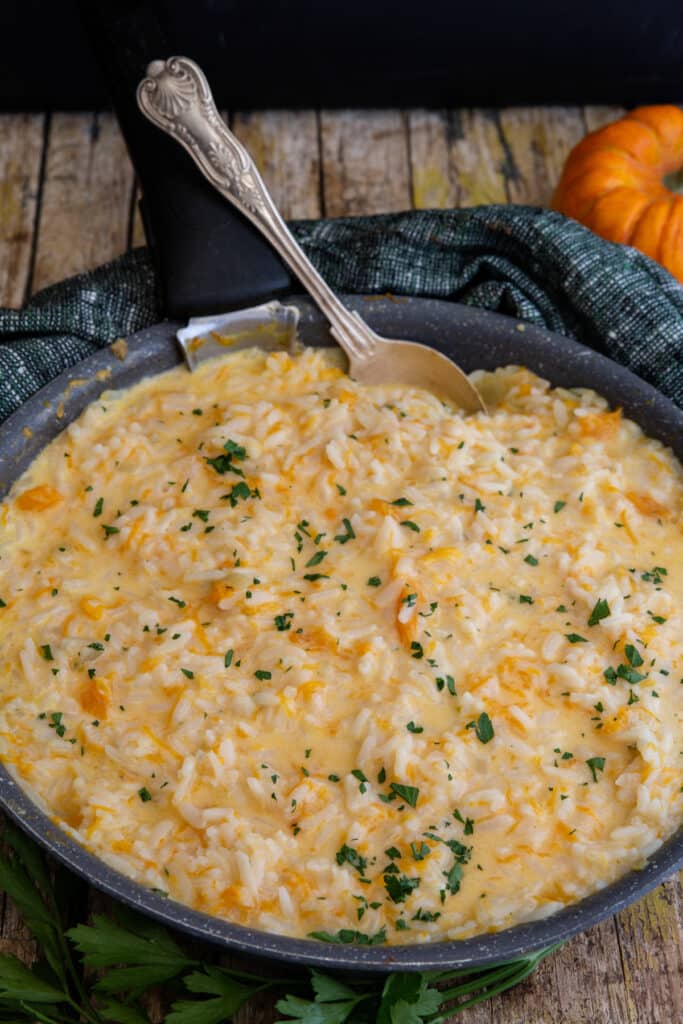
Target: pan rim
17, 450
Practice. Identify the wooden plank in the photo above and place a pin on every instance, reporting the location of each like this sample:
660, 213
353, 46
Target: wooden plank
433, 187
581, 982
537, 141
651, 935
285, 146
85, 205
21, 148
365, 162
597, 116
478, 160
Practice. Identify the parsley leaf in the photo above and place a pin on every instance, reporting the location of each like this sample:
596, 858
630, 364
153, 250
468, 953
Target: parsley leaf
483, 728
410, 524
347, 855
316, 559
596, 764
399, 887
408, 793
600, 611
342, 538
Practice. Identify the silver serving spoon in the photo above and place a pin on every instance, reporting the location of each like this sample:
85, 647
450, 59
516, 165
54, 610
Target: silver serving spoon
176, 97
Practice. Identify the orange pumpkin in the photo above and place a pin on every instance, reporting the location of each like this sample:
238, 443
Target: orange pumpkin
615, 182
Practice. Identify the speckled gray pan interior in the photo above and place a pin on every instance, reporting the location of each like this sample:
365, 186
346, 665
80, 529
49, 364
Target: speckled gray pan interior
475, 339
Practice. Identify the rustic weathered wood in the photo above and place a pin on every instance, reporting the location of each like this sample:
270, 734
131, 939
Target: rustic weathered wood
651, 934
433, 186
537, 141
365, 162
21, 148
86, 197
596, 117
478, 161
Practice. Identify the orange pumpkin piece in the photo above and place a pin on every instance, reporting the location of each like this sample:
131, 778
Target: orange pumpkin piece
600, 424
38, 498
614, 182
647, 505
95, 698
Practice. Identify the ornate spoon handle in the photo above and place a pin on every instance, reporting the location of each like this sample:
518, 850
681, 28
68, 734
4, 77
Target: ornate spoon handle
176, 97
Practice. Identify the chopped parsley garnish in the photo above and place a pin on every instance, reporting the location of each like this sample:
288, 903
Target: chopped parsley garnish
630, 674
600, 611
410, 524
176, 600
56, 723
659, 619
468, 823
109, 531
349, 937
283, 622
3, 604
478, 507
144, 794
426, 915
46, 652
187, 673
224, 463
530, 560
408, 793
417, 650
449, 682
201, 513
399, 887
411, 727
240, 492
401, 502
347, 855
574, 638
374, 581
362, 778
654, 576
596, 764
99, 505
262, 673
483, 728
316, 559
342, 538
312, 577
453, 878
227, 660
342, 490
558, 506
526, 599
633, 655
419, 851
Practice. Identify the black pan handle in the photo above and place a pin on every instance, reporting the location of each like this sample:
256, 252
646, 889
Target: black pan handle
208, 256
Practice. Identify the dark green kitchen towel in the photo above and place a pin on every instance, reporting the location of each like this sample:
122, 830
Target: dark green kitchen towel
528, 262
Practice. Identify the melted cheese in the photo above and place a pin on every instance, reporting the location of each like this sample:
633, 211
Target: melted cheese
262, 625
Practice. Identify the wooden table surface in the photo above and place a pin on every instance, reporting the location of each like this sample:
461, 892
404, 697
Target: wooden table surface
68, 203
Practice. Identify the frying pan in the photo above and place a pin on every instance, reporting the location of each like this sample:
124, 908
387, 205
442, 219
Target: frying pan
474, 338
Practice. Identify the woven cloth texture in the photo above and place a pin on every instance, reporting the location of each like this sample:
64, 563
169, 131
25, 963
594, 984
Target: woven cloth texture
531, 263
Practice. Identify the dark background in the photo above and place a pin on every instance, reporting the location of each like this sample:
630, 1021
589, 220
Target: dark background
315, 53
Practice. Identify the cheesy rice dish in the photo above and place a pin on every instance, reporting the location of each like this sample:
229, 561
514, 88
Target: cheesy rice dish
334, 660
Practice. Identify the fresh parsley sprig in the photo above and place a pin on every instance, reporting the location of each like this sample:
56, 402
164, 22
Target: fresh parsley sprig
125, 955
